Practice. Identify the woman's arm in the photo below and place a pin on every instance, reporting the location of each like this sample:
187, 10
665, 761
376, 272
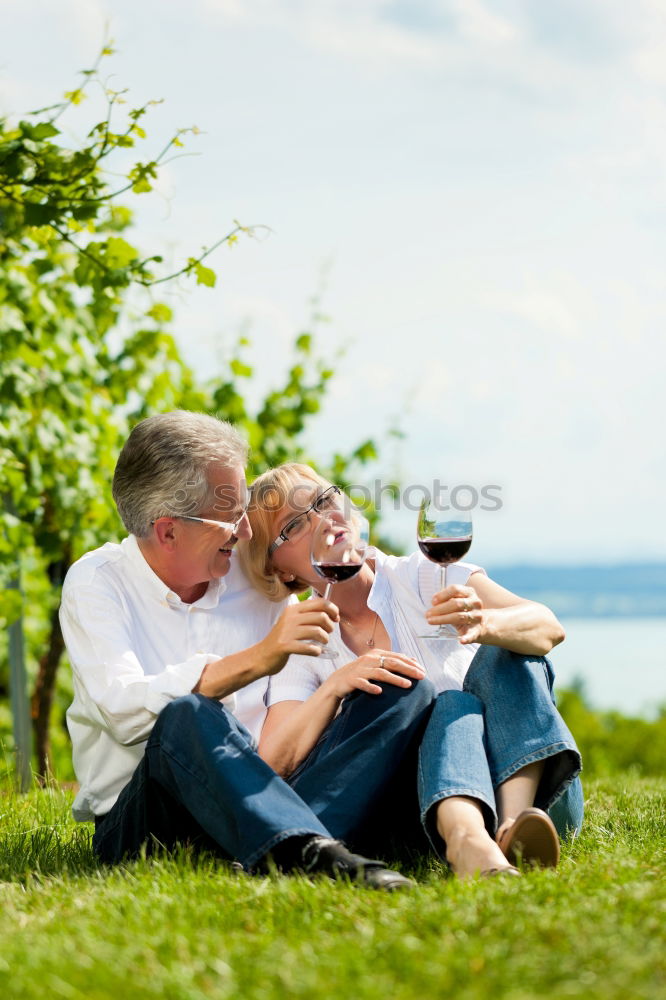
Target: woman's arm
498, 617
293, 728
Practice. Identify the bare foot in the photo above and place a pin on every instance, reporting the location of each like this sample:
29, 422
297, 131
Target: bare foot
470, 853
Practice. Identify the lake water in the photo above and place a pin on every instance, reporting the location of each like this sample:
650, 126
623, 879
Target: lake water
622, 662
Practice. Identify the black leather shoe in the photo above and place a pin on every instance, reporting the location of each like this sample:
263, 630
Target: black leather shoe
324, 856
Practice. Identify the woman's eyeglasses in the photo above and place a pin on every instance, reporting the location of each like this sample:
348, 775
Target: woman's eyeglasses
325, 501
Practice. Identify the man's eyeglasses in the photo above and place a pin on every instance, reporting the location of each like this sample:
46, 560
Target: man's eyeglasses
325, 501
228, 525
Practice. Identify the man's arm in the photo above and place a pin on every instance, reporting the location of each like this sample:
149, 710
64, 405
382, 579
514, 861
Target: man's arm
297, 630
101, 646
99, 635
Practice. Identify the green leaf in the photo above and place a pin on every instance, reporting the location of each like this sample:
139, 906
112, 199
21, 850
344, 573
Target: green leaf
366, 451
160, 313
39, 215
74, 96
240, 368
205, 275
85, 210
140, 173
45, 130
119, 253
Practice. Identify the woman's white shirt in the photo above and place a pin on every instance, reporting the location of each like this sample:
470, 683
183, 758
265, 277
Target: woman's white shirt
401, 593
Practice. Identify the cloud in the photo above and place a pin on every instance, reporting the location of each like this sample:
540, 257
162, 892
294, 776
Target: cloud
477, 22
545, 310
529, 42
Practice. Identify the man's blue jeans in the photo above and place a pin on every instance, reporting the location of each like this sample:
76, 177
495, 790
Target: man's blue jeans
201, 781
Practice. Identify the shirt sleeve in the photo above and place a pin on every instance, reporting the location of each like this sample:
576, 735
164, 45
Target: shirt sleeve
97, 630
300, 678
428, 576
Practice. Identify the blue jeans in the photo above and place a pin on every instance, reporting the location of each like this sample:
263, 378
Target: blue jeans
201, 781
503, 719
430, 748
354, 767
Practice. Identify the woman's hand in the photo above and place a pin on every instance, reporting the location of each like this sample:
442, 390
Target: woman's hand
298, 630
461, 607
492, 615
371, 669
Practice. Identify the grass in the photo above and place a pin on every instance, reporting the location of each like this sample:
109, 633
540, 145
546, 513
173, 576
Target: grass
181, 928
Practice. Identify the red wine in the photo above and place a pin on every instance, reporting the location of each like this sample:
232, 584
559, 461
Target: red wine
337, 572
445, 550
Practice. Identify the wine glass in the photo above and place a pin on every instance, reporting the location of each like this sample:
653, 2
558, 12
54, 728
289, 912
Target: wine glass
339, 547
444, 538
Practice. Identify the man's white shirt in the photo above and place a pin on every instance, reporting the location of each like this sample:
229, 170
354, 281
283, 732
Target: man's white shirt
134, 646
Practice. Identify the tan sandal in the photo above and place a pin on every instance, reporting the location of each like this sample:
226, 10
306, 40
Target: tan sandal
532, 839
492, 872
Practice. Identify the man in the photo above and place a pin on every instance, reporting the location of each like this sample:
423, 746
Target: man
166, 672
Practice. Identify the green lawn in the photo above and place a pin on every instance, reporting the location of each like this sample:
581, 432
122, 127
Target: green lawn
179, 928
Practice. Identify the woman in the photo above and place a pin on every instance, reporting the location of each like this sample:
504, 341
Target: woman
495, 753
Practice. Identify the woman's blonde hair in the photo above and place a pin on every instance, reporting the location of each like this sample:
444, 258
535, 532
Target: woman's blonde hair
271, 491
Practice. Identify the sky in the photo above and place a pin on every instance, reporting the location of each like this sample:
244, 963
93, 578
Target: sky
478, 192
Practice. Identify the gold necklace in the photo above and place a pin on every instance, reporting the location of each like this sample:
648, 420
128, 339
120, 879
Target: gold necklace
371, 641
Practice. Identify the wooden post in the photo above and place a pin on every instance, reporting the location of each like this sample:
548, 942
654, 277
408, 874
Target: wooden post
20, 702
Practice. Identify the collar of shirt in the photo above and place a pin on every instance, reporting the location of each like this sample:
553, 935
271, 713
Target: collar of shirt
379, 598
158, 588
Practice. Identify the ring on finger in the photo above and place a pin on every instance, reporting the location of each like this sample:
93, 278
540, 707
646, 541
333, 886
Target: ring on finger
381, 662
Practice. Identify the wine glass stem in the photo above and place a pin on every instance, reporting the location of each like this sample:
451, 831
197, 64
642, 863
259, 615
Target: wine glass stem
327, 591
443, 629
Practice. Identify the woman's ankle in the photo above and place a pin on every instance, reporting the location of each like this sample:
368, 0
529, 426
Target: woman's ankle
472, 851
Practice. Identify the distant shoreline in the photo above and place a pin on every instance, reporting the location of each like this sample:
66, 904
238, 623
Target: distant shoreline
621, 590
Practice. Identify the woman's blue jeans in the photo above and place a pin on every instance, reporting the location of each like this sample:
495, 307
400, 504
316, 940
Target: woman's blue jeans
503, 719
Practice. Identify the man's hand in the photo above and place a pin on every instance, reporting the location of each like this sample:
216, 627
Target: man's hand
365, 673
298, 630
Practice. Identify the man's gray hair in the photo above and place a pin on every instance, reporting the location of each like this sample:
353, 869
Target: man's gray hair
163, 468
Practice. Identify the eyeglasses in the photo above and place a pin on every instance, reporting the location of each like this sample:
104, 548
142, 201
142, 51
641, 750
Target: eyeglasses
325, 501
230, 527
209, 520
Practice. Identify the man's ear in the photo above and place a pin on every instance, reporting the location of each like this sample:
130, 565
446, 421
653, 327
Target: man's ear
165, 533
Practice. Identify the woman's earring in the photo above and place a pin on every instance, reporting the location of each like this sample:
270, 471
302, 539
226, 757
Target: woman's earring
287, 577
